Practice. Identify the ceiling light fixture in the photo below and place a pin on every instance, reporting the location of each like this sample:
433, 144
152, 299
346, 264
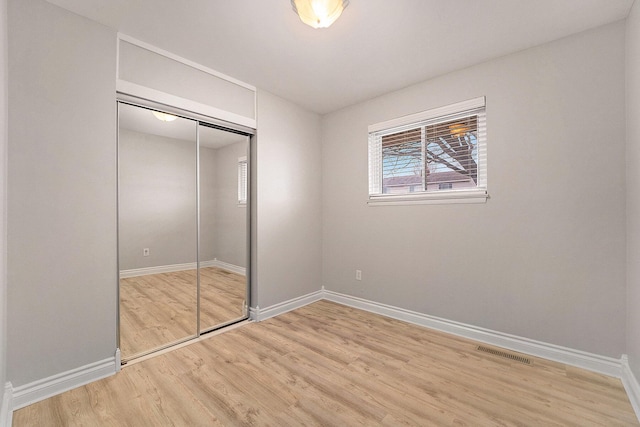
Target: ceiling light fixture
319, 13
164, 117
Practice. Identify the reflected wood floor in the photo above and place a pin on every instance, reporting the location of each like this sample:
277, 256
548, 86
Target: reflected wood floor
330, 365
159, 309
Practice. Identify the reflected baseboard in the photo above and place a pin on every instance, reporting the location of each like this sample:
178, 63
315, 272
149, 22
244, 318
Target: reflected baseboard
225, 266
145, 271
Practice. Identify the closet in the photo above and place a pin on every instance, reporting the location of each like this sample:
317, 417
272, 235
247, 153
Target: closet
183, 226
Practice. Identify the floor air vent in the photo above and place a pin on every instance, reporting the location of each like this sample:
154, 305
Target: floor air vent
505, 355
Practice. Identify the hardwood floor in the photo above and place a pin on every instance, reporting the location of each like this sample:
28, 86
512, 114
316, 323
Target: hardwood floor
159, 309
330, 365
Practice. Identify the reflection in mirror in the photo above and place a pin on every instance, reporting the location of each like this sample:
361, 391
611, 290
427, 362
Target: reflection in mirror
157, 224
223, 227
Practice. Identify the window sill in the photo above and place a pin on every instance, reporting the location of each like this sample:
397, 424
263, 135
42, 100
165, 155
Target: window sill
433, 198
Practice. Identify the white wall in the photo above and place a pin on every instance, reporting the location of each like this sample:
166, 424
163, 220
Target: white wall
157, 207
3, 195
230, 219
633, 187
544, 258
61, 192
289, 203
157, 200
208, 203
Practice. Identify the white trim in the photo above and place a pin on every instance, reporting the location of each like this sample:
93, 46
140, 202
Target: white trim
429, 114
631, 385
581, 359
225, 266
36, 391
592, 362
430, 198
135, 272
132, 89
6, 410
182, 344
259, 314
167, 54
118, 360
376, 156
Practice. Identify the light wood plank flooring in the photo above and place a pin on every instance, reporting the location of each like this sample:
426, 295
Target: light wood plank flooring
159, 309
330, 365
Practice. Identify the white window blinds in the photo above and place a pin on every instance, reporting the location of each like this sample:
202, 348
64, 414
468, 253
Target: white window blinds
242, 180
441, 150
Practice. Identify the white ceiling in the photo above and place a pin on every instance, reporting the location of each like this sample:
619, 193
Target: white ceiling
375, 47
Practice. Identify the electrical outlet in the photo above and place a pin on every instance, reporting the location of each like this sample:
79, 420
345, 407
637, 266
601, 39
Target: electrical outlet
145, 252
358, 274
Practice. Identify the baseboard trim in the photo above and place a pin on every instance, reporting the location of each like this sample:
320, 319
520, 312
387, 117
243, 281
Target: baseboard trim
135, 272
631, 385
259, 314
225, 266
6, 409
592, 362
36, 391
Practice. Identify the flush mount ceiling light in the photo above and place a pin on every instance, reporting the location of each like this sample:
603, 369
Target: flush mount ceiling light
164, 117
319, 13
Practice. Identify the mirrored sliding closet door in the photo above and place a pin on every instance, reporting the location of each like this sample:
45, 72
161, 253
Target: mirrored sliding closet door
157, 229
223, 226
182, 228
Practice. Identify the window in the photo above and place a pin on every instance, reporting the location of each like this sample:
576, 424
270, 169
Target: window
436, 155
242, 181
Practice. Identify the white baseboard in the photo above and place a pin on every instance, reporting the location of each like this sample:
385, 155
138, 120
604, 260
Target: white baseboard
135, 272
631, 385
592, 362
36, 391
259, 314
6, 409
225, 266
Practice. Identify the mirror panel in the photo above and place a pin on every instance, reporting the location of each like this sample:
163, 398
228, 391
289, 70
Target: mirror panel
157, 230
223, 226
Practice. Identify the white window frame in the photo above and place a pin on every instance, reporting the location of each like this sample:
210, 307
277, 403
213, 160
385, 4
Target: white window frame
243, 183
478, 194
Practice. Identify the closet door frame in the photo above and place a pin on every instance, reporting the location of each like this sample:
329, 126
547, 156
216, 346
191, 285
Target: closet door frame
199, 119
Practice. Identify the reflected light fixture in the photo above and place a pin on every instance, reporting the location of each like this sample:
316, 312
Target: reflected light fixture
319, 13
458, 129
164, 117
